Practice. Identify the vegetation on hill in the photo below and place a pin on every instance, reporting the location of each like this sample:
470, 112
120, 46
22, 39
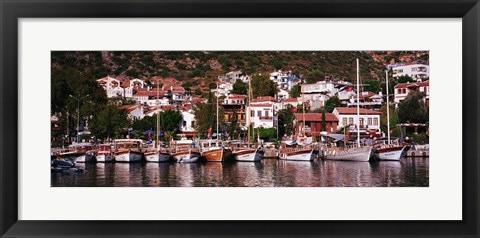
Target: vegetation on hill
198, 69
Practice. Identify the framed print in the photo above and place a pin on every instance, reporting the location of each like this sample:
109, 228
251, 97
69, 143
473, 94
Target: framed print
239, 118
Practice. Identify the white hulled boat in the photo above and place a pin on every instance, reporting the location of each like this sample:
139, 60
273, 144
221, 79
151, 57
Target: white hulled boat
185, 151
128, 150
243, 151
157, 153
387, 150
104, 153
358, 152
79, 153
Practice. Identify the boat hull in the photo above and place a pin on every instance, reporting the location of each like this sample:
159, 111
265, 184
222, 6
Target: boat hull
217, 155
298, 155
391, 153
248, 155
85, 158
128, 156
186, 157
102, 158
361, 154
157, 156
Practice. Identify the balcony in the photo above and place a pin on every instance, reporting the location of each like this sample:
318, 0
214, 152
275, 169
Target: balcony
265, 117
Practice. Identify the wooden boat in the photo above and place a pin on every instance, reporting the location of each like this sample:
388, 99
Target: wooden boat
243, 151
79, 153
157, 153
386, 150
358, 152
185, 151
104, 153
291, 151
214, 150
128, 150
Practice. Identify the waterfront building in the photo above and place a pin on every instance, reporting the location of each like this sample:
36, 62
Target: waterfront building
313, 123
402, 90
368, 120
417, 71
234, 104
262, 112
134, 111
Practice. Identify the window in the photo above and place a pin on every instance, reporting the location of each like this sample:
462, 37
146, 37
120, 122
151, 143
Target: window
193, 123
252, 113
369, 121
259, 113
184, 123
361, 122
344, 121
375, 121
266, 113
350, 121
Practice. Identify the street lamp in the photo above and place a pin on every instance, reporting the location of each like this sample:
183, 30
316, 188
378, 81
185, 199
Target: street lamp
78, 113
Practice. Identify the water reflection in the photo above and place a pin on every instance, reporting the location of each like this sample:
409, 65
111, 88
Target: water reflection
266, 173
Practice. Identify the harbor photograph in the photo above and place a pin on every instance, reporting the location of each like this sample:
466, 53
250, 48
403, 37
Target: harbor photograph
239, 119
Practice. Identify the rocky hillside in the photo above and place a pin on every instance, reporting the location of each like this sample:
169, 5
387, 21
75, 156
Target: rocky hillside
196, 69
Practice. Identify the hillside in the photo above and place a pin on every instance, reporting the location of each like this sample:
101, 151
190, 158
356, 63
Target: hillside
196, 69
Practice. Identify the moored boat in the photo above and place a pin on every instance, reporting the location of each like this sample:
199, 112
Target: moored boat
104, 153
247, 152
215, 151
128, 150
185, 151
78, 153
290, 151
157, 155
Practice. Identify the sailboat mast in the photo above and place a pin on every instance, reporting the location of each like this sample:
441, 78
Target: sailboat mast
217, 110
303, 109
358, 103
158, 118
248, 113
388, 109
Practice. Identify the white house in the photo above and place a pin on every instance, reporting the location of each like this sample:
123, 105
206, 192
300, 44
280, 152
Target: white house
187, 124
418, 72
111, 86
402, 90
283, 94
134, 111
261, 112
368, 119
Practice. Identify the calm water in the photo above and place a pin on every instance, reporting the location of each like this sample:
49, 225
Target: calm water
409, 172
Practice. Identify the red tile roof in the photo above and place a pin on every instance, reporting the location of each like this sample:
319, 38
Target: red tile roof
315, 117
417, 84
237, 96
353, 110
261, 105
290, 100
264, 99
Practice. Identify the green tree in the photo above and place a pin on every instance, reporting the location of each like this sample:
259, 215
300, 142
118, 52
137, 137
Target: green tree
373, 85
239, 87
412, 109
234, 127
332, 103
296, 90
314, 76
404, 79
110, 122
285, 122
263, 86
206, 115
170, 119
393, 120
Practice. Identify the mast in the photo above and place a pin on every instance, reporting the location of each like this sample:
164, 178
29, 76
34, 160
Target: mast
158, 119
358, 103
388, 110
217, 110
248, 113
303, 109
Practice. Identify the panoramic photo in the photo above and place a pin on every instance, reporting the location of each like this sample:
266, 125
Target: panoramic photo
240, 118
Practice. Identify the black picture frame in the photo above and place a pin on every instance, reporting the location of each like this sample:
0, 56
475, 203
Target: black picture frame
11, 11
